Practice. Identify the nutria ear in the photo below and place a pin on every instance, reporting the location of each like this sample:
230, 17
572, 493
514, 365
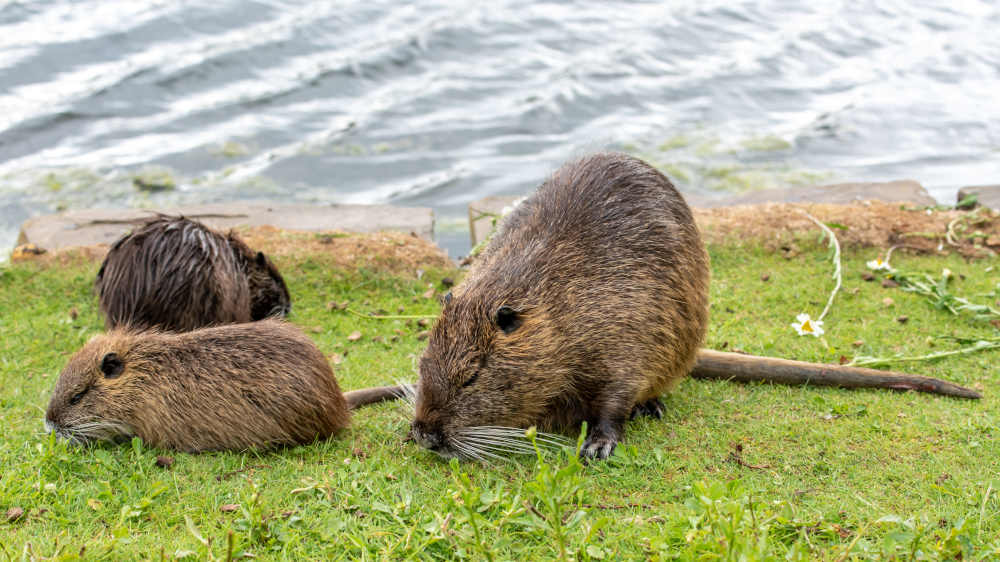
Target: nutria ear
261, 259
112, 366
447, 297
507, 319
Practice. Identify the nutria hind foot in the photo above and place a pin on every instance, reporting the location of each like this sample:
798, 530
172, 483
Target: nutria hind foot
652, 408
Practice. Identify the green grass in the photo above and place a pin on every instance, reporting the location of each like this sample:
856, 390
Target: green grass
758, 471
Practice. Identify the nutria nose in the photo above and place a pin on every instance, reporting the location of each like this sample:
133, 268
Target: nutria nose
428, 439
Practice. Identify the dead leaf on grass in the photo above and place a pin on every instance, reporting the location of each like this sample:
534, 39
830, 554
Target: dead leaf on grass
14, 513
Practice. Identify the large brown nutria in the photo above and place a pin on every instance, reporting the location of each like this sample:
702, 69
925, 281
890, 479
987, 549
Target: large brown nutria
177, 274
589, 302
230, 387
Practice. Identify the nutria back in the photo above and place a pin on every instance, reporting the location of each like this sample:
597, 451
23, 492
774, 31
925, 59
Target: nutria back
590, 301
230, 387
176, 274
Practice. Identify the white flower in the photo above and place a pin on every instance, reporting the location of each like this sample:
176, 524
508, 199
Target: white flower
808, 326
878, 264
945, 273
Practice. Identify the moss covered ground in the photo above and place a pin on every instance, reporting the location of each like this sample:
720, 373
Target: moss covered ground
733, 472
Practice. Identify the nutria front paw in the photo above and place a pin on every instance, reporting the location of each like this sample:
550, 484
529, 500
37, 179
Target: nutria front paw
598, 447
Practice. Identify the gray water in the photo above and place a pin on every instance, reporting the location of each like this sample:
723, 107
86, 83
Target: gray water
440, 103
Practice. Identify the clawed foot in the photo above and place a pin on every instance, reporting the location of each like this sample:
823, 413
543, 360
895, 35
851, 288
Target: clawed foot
601, 440
598, 447
652, 408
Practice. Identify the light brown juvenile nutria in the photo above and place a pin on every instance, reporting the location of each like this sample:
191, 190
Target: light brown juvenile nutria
230, 387
177, 274
589, 302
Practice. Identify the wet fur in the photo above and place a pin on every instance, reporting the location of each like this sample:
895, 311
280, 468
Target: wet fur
608, 278
176, 274
231, 387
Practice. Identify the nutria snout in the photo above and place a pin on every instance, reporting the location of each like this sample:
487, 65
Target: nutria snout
589, 302
231, 387
177, 274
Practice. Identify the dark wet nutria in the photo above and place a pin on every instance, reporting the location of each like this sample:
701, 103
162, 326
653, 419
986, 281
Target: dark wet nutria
589, 302
177, 274
230, 387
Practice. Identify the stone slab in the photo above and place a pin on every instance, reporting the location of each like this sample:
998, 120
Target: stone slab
903, 191
104, 226
986, 195
482, 212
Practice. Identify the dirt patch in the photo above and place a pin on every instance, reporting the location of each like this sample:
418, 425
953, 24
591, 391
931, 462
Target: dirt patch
864, 224
391, 252
394, 252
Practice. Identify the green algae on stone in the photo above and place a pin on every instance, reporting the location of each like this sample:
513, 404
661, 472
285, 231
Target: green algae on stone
675, 172
451, 224
673, 143
349, 149
52, 183
230, 149
766, 143
154, 179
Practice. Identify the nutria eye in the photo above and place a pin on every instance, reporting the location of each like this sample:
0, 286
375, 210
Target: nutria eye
471, 380
78, 396
112, 366
447, 297
507, 319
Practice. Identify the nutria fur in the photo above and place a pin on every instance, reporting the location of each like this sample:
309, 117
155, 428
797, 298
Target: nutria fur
589, 302
230, 387
176, 274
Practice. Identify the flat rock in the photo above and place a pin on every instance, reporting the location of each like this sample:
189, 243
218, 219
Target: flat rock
104, 226
986, 195
903, 191
483, 212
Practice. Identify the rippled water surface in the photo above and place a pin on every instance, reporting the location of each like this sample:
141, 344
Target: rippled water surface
439, 103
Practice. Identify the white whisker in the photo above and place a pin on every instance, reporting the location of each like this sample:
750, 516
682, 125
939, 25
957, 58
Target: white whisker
480, 454
408, 393
464, 451
517, 448
503, 449
513, 437
498, 441
83, 432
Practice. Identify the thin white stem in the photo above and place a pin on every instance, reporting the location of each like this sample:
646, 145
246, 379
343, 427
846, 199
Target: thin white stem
888, 255
861, 361
835, 244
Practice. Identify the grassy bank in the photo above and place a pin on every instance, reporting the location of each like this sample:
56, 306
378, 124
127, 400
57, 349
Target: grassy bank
765, 471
